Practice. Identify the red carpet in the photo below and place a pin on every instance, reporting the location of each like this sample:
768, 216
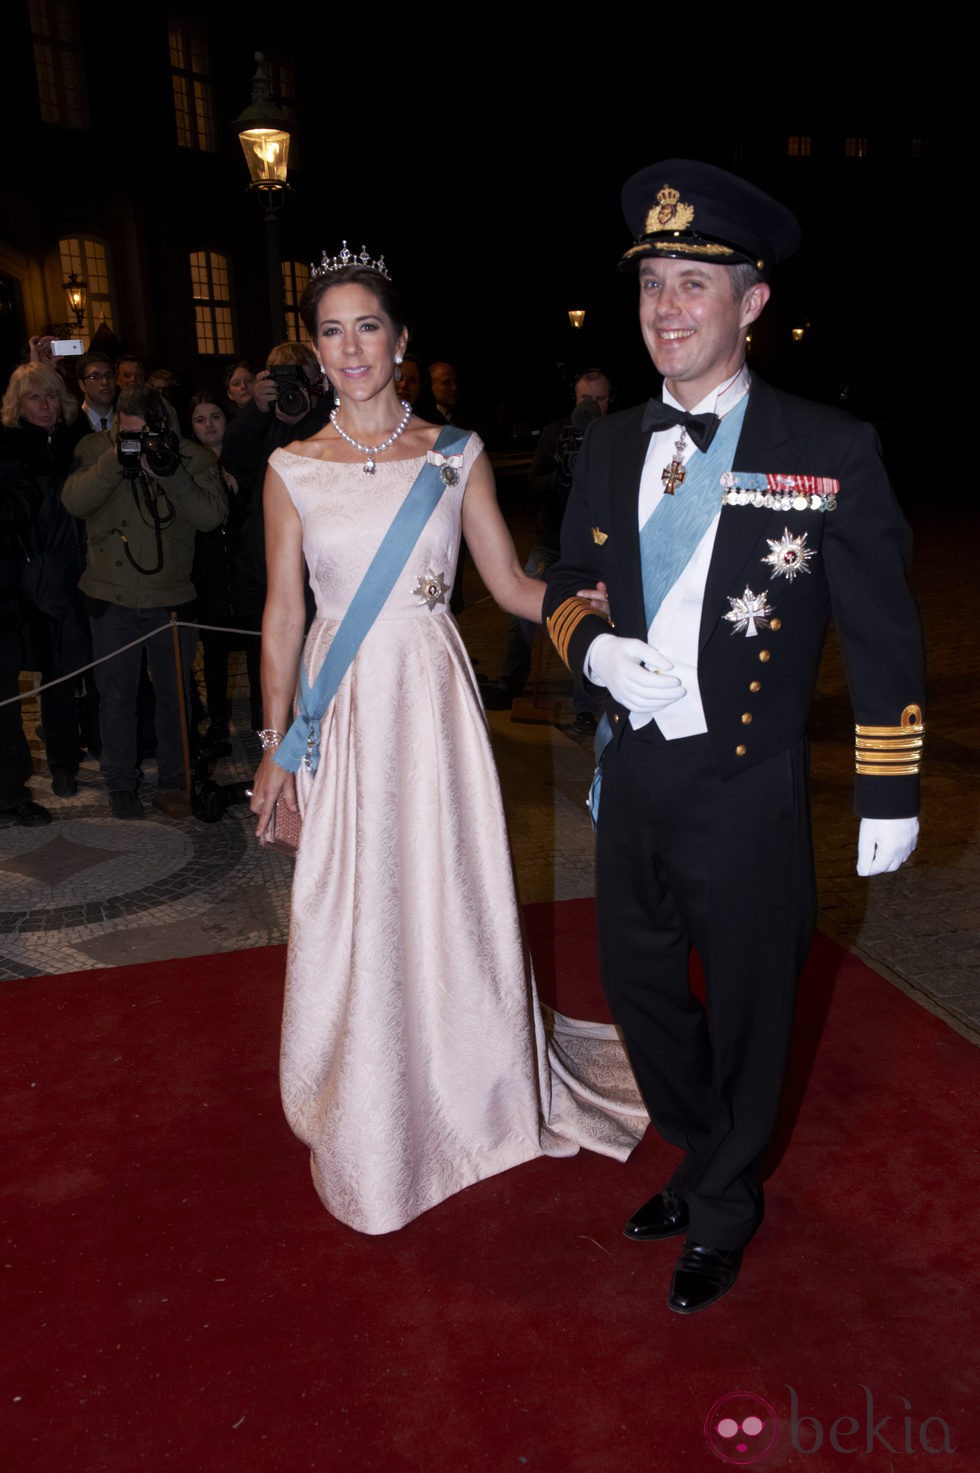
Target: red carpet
177, 1298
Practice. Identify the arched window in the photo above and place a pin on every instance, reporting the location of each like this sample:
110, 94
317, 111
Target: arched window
90, 262
295, 279
211, 291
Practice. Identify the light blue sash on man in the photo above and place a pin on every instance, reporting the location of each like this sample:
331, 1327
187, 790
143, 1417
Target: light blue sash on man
672, 531
301, 744
668, 539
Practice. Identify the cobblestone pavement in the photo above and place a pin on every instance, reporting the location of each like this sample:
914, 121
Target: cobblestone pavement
89, 891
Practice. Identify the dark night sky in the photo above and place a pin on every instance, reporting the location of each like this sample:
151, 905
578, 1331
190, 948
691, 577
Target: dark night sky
490, 176
485, 158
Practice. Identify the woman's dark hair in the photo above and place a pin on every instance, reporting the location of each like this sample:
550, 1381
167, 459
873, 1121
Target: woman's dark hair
230, 373
379, 286
203, 396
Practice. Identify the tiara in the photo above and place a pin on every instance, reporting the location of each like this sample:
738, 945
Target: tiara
329, 264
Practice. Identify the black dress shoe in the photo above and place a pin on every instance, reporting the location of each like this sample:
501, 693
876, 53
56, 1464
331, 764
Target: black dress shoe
664, 1216
125, 805
702, 1275
63, 784
28, 815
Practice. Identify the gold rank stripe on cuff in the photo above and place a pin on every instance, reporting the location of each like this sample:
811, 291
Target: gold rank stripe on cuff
563, 623
890, 751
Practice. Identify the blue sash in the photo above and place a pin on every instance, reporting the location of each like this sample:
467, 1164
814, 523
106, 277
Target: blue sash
301, 744
672, 531
668, 539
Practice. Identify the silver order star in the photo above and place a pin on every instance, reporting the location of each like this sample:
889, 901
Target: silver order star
431, 588
788, 555
748, 611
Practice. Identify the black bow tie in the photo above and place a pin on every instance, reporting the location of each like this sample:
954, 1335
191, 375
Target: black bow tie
700, 427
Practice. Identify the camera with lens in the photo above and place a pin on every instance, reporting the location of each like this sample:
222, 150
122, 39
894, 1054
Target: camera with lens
294, 392
161, 448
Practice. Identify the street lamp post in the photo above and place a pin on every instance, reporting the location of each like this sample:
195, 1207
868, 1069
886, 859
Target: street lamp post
263, 133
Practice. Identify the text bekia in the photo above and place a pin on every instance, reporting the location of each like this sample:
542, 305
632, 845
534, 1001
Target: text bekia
893, 1433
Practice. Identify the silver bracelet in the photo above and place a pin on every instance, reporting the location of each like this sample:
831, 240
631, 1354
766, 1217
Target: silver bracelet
269, 738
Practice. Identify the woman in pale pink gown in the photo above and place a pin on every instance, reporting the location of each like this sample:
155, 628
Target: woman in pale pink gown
414, 1059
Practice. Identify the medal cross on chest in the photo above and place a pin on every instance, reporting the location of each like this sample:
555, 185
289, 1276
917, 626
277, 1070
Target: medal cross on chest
673, 474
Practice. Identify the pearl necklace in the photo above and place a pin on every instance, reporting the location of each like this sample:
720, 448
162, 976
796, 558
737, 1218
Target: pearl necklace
372, 451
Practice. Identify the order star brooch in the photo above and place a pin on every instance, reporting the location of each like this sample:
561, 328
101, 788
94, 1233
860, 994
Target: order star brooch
788, 555
747, 612
449, 466
431, 588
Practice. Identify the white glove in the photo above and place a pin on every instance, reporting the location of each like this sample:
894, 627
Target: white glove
885, 843
632, 673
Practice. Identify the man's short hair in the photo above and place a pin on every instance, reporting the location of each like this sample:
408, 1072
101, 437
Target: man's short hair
590, 374
143, 402
744, 277
88, 360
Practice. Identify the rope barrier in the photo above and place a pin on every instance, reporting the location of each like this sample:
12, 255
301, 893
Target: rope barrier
29, 695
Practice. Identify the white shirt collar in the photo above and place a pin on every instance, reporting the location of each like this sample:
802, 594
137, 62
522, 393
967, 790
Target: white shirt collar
718, 400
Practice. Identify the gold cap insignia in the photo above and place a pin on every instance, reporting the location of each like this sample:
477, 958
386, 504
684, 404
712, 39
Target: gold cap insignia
669, 213
598, 537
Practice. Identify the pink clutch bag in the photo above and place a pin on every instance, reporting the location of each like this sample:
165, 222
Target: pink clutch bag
283, 829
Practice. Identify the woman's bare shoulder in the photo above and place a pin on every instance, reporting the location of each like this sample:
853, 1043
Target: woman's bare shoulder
317, 447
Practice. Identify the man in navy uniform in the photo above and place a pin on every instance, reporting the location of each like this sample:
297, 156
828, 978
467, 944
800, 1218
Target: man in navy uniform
729, 521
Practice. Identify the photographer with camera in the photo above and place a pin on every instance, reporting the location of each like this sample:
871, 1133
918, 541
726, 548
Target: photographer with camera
143, 493
289, 403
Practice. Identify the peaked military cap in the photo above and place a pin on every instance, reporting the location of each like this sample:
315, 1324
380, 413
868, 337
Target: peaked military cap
689, 210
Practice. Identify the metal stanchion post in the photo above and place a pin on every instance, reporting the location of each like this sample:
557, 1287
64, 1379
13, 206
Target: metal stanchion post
179, 807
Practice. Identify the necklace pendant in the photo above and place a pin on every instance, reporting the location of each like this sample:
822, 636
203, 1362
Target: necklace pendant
368, 467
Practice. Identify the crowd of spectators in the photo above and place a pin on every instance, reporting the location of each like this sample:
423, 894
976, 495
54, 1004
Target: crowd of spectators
97, 550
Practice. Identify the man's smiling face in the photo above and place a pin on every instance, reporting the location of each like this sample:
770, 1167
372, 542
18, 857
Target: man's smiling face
693, 327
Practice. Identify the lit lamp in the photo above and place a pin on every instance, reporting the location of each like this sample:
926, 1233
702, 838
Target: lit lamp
264, 135
267, 155
75, 293
797, 334
576, 316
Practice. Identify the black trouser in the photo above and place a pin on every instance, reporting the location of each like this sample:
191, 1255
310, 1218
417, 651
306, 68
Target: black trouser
15, 754
118, 681
684, 859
